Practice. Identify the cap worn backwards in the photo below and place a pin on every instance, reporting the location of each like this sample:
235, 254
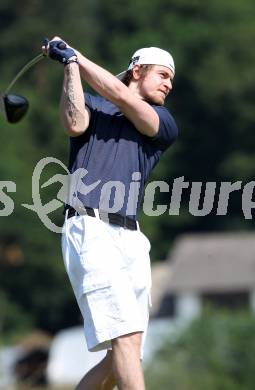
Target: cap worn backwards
150, 56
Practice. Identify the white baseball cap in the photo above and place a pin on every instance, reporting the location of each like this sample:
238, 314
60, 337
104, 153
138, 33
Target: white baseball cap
150, 56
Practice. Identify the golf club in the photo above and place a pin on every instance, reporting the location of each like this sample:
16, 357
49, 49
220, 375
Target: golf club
14, 107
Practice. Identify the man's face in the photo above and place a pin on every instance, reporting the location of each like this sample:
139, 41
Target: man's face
156, 84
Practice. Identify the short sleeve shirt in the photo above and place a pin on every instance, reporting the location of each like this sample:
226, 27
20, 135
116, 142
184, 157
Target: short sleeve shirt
113, 159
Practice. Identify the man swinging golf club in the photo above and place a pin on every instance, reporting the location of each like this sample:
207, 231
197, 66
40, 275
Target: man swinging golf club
118, 137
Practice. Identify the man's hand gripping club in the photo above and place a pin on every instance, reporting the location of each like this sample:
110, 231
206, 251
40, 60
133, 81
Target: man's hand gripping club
58, 50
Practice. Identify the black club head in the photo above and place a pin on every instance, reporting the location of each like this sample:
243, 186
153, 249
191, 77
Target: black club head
15, 106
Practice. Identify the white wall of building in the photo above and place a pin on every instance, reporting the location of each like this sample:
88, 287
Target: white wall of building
188, 306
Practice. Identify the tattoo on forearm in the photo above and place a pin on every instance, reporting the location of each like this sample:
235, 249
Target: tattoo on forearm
70, 96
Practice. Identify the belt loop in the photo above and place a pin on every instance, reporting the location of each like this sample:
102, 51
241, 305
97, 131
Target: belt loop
96, 211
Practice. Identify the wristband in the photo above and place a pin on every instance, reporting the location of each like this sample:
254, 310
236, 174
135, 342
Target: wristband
69, 61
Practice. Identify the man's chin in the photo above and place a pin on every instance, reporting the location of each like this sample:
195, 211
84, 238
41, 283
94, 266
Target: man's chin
156, 101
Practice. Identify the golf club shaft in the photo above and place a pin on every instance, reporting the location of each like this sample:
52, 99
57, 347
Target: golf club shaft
36, 59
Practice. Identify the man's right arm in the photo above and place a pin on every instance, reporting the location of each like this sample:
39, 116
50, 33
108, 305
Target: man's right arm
139, 112
74, 114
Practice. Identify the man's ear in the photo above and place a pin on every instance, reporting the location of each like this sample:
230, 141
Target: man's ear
136, 72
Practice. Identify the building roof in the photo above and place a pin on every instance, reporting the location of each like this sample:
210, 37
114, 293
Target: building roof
212, 262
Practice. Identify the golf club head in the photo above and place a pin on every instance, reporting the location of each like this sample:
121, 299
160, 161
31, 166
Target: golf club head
14, 107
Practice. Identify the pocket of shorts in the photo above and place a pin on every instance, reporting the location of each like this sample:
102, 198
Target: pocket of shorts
102, 305
73, 233
94, 282
93, 236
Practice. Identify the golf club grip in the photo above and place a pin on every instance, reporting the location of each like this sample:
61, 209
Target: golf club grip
34, 61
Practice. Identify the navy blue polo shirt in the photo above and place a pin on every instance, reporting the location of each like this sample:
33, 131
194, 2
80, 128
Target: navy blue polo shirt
116, 158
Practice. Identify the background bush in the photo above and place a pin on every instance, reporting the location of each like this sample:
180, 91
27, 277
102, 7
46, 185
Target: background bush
216, 352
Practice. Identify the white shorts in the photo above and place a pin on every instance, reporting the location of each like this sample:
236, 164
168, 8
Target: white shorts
109, 269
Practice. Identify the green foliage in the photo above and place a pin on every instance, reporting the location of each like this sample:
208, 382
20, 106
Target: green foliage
217, 351
13, 320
